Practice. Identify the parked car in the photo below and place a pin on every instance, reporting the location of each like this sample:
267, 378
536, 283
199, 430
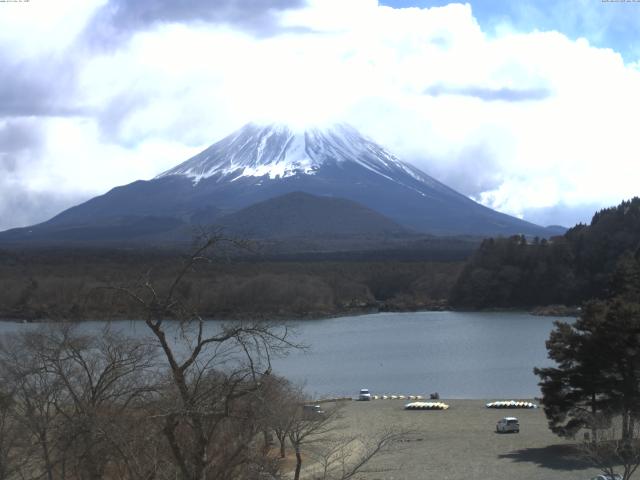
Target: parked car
508, 424
615, 476
312, 410
364, 394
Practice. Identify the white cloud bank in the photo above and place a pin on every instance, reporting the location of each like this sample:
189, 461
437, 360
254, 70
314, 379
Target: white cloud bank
525, 123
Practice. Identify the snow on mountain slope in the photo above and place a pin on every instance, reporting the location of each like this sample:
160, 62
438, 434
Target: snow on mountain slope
259, 162
277, 151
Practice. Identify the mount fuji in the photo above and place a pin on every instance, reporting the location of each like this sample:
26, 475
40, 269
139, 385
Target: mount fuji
339, 177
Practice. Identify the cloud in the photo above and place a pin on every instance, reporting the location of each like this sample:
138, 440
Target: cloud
118, 20
484, 176
22, 141
490, 94
19, 139
19, 134
525, 121
41, 86
25, 207
114, 114
38, 75
562, 214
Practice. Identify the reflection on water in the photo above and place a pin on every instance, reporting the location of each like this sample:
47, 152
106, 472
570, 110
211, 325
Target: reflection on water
458, 354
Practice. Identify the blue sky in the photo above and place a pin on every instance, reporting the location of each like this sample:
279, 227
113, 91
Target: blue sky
607, 24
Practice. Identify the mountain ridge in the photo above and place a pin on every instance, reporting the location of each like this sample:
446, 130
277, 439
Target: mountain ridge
257, 163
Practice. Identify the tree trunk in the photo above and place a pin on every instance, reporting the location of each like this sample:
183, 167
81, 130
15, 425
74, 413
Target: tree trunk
169, 431
93, 471
626, 436
91, 460
298, 463
47, 456
283, 453
200, 454
594, 421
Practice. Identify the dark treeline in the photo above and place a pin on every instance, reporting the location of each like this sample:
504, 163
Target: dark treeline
70, 284
583, 264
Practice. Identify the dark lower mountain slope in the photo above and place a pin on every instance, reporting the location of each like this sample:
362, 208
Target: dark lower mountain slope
295, 215
300, 214
121, 230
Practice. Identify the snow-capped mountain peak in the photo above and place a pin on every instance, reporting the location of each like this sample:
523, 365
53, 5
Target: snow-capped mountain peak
278, 151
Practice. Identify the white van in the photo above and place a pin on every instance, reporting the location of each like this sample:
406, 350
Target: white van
364, 394
508, 424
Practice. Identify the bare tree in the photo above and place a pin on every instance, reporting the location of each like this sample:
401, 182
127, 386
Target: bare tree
72, 392
12, 457
309, 426
101, 377
213, 372
36, 393
280, 404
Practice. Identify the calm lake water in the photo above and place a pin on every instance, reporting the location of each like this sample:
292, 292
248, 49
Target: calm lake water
458, 354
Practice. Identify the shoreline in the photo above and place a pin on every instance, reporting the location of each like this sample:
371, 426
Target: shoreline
548, 311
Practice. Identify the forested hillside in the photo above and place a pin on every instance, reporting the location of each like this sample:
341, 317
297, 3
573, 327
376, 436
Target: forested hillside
585, 263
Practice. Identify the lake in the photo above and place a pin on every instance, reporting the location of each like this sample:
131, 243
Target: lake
457, 354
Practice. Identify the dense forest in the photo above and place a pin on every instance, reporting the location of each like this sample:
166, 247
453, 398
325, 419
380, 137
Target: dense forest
74, 285
589, 261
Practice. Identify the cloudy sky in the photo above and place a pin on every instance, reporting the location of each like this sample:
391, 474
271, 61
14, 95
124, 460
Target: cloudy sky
530, 108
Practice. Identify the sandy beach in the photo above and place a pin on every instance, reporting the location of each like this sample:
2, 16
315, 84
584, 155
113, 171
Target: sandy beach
461, 443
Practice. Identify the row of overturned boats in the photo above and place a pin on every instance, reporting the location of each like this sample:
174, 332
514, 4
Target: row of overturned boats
426, 406
511, 404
